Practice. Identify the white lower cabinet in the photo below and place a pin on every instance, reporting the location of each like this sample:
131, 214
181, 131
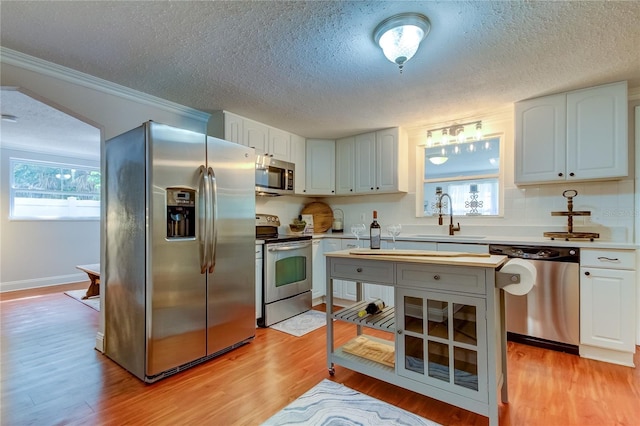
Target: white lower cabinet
346, 290
608, 305
258, 281
318, 272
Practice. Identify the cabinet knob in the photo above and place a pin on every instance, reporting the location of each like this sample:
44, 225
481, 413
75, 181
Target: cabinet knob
560, 174
377, 187
399, 331
587, 273
351, 190
372, 188
572, 174
333, 192
359, 270
436, 277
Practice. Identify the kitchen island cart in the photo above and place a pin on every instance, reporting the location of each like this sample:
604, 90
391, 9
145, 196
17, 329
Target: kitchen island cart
448, 324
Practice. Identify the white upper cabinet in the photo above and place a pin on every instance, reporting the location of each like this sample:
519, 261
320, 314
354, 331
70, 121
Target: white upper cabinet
597, 132
365, 163
541, 139
279, 144
299, 158
320, 176
370, 163
580, 135
345, 170
266, 140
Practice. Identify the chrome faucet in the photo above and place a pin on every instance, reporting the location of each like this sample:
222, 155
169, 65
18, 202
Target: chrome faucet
441, 195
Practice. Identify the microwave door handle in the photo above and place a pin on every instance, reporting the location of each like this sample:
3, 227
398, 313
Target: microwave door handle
203, 201
214, 218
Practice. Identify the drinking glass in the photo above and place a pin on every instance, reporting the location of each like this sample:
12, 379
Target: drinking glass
394, 231
358, 230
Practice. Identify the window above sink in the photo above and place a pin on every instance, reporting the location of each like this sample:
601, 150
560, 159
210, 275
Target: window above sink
469, 172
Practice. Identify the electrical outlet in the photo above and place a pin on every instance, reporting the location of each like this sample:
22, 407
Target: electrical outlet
362, 217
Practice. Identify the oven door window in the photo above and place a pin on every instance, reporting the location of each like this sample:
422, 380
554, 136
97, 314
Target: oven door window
291, 270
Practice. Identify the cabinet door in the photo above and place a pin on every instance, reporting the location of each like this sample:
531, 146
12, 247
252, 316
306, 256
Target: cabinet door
258, 281
365, 163
279, 144
387, 160
320, 173
607, 306
349, 287
441, 341
597, 132
233, 128
299, 158
256, 135
345, 166
319, 270
540, 139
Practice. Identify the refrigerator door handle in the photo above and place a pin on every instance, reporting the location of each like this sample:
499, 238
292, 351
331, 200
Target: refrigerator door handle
214, 222
203, 188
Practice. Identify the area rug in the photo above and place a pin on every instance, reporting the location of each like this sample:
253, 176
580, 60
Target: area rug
92, 302
333, 404
303, 323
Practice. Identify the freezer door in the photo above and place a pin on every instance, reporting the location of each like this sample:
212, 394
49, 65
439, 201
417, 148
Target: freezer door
231, 285
176, 288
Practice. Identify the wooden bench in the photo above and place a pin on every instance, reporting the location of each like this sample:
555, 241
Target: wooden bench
93, 271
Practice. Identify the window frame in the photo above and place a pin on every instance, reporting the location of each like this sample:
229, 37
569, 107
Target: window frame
421, 181
63, 164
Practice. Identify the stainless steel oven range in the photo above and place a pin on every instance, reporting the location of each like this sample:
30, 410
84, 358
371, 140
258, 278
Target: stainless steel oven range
286, 274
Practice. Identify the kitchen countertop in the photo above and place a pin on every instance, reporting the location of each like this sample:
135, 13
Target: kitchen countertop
492, 261
485, 240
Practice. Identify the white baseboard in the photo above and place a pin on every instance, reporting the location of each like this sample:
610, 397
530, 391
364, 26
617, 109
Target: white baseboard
607, 355
42, 282
100, 342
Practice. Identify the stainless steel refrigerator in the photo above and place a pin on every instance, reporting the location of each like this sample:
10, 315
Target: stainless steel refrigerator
179, 258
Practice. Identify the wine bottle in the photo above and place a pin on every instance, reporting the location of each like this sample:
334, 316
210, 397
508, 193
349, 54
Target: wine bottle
372, 308
374, 232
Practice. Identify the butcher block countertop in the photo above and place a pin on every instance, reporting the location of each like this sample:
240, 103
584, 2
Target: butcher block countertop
481, 260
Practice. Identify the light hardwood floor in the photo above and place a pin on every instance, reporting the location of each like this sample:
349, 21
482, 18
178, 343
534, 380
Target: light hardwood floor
51, 375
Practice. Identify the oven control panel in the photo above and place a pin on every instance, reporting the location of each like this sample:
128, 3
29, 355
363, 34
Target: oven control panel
267, 220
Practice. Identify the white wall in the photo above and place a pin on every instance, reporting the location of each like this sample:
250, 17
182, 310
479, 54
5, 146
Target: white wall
35, 253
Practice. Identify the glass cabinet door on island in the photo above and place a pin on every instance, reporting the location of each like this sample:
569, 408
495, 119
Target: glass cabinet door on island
441, 340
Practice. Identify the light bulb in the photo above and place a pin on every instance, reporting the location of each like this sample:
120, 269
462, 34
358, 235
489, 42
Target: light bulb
460, 134
429, 138
479, 131
445, 137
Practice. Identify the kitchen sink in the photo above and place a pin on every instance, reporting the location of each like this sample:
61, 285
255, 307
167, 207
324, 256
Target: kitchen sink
451, 237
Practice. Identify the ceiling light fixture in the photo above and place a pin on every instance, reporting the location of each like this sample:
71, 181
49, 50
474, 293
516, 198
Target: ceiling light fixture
400, 35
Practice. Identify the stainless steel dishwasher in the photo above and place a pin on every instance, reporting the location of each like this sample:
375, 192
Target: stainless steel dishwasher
549, 315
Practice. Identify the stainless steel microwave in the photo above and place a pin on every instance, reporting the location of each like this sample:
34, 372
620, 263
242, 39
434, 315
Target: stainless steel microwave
274, 177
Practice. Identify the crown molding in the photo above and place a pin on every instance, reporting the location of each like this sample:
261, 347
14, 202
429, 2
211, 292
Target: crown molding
634, 93
69, 75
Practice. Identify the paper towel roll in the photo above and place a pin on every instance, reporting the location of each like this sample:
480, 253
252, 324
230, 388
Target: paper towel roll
527, 274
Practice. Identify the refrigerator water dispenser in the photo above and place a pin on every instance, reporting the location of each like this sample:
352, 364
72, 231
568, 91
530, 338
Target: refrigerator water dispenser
181, 213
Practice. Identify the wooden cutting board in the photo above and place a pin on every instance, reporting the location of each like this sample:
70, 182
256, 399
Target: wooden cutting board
430, 253
322, 216
375, 351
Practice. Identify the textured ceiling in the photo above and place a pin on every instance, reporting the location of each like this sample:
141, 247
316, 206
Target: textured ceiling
311, 67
